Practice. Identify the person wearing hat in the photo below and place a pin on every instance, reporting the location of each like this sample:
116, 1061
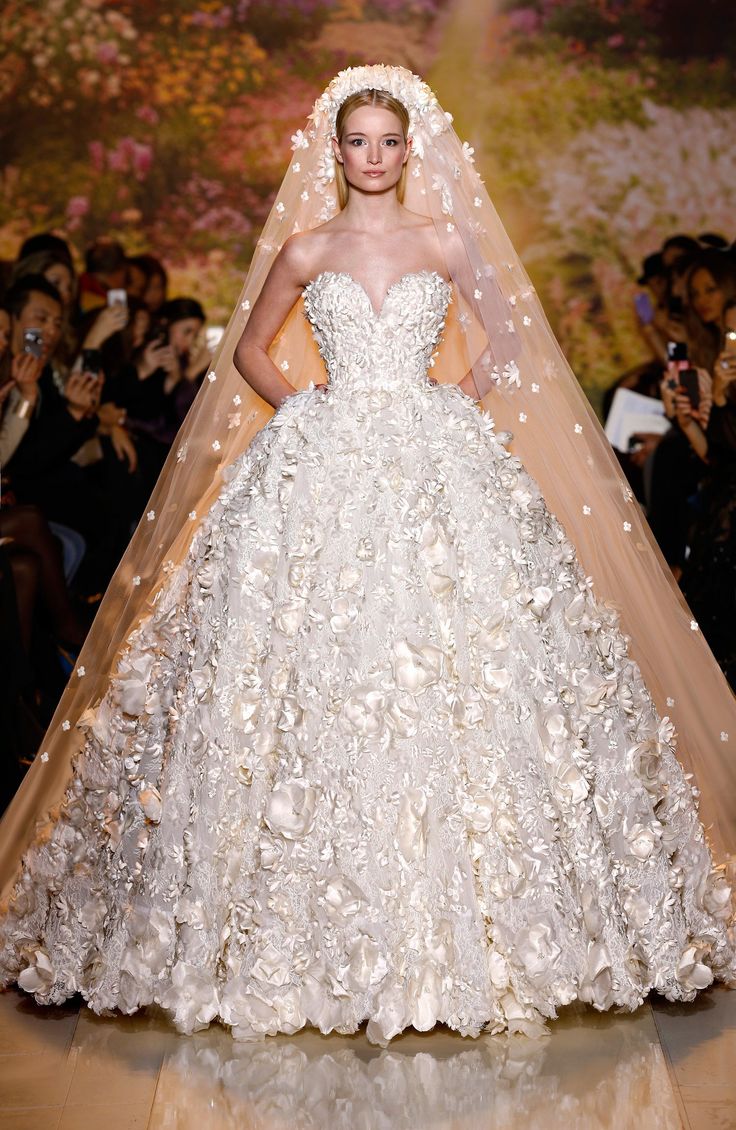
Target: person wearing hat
649, 300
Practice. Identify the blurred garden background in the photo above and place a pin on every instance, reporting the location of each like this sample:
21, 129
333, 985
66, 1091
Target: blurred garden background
600, 127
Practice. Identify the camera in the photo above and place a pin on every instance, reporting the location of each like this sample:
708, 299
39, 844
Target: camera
33, 342
676, 351
91, 361
116, 297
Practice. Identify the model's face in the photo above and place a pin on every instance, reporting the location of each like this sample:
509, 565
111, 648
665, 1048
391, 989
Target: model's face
706, 297
41, 312
61, 277
183, 333
372, 150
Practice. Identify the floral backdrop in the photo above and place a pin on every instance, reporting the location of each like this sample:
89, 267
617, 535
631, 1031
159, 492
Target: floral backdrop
600, 127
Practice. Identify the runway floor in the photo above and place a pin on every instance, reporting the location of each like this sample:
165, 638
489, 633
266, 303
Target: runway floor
664, 1066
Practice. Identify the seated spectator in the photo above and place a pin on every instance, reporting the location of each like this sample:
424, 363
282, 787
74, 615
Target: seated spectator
104, 270
677, 246
147, 279
710, 569
118, 331
711, 284
157, 387
46, 241
63, 418
57, 269
714, 240
650, 304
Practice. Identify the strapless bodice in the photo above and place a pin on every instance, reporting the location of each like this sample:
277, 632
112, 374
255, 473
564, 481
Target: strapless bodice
361, 345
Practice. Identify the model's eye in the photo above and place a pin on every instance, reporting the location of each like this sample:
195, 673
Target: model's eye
391, 141
356, 141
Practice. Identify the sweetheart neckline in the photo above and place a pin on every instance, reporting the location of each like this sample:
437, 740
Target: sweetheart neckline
377, 314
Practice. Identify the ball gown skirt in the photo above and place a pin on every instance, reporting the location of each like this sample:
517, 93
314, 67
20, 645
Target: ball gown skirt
377, 752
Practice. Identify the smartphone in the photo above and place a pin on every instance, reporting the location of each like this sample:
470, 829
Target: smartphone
33, 342
689, 381
91, 361
117, 297
644, 308
677, 351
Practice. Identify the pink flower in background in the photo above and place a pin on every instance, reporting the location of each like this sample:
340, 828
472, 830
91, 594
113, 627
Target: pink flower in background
130, 155
107, 53
524, 20
616, 40
77, 207
148, 114
97, 155
142, 159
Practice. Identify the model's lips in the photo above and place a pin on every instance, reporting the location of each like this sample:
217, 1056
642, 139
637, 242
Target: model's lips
373, 172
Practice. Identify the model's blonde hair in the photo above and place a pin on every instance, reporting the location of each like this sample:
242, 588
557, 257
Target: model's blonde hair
368, 98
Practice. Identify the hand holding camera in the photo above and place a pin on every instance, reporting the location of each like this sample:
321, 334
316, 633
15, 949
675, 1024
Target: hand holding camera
25, 372
158, 354
724, 373
82, 392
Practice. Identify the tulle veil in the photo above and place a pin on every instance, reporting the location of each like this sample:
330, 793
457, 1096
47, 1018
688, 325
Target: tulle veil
496, 327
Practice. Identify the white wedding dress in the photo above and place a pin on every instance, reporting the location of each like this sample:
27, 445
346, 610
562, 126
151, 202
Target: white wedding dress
377, 753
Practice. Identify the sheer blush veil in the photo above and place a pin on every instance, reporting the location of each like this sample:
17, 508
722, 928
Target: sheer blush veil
495, 328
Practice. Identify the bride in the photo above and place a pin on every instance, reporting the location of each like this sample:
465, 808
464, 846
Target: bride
356, 736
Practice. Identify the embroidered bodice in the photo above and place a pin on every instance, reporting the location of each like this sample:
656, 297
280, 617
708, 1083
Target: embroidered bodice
388, 346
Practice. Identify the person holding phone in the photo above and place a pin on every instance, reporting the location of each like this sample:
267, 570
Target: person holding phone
708, 576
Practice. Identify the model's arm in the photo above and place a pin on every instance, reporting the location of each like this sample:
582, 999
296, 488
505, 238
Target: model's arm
280, 291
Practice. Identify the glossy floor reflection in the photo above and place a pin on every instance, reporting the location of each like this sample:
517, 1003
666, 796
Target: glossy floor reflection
665, 1066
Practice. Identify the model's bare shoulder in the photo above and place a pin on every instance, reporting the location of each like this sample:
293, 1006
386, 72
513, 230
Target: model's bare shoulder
303, 251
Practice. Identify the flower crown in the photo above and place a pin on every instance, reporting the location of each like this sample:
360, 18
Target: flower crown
426, 119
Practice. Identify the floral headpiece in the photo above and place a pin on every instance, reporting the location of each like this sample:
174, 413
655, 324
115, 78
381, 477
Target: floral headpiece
426, 119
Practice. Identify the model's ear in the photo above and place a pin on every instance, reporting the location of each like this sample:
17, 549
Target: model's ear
407, 154
336, 150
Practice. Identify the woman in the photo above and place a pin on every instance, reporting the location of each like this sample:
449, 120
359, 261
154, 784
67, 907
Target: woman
708, 579
154, 389
373, 750
711, 284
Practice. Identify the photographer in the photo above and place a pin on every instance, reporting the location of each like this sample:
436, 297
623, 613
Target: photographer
62, 416
708, 576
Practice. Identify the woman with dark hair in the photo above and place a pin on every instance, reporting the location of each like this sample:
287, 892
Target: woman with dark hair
154, 390
147, 275
711, 284
708, 577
